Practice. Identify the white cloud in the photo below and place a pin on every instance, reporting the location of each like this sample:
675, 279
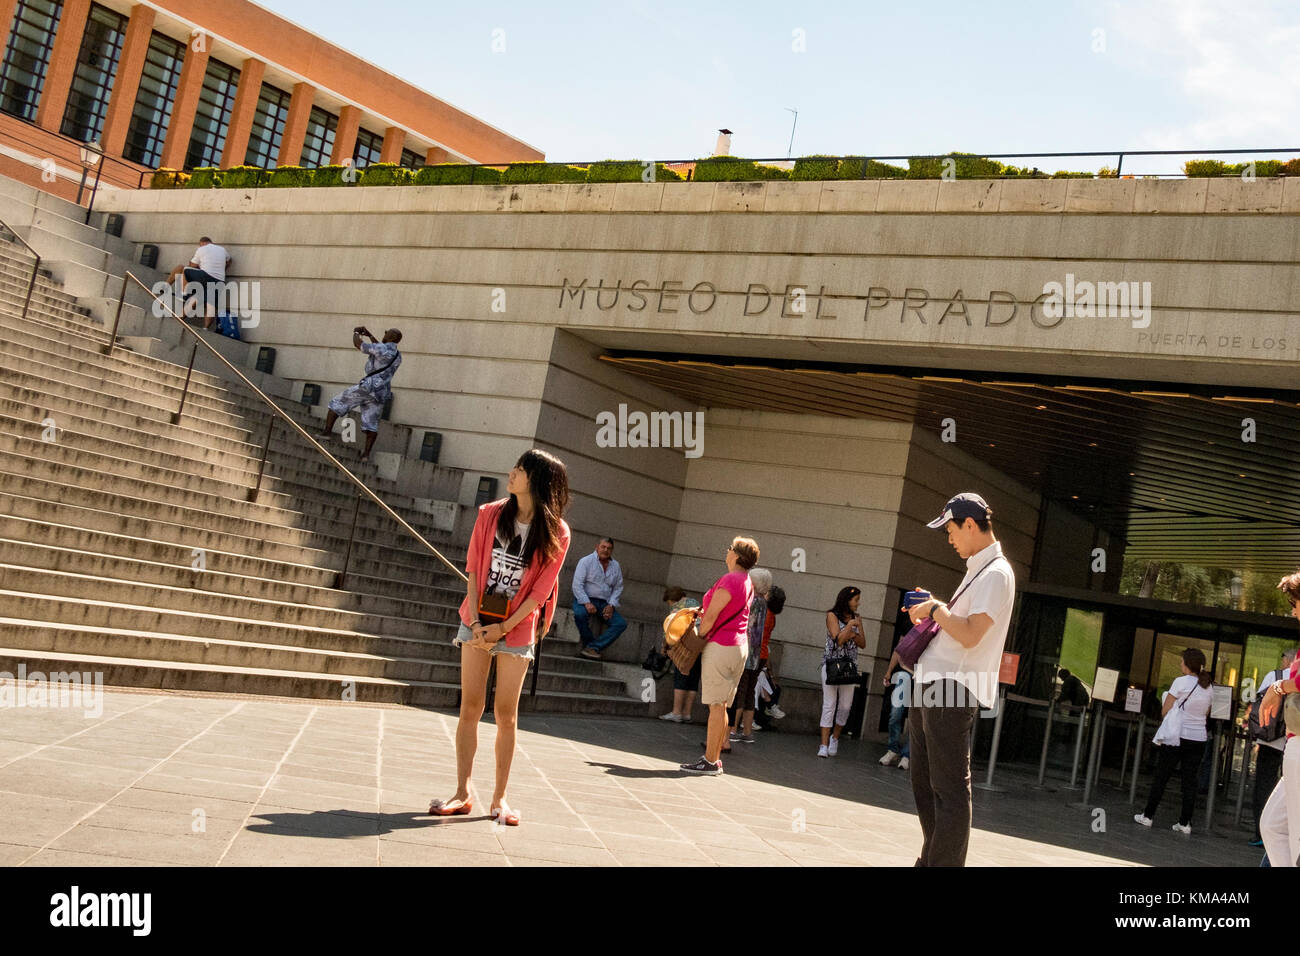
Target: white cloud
1236, 64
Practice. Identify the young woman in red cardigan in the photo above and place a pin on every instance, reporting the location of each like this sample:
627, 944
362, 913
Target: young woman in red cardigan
516, 552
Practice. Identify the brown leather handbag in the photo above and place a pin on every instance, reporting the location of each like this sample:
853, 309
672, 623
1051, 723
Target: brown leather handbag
683, 637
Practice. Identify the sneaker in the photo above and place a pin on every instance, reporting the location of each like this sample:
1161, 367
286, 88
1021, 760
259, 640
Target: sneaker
1256, 842
822, 751
776, 712
589, 653
757, 728
834, 747
904, 763
675, 718
704, 767
733, 737
745, 739
1143, 819
888, 759
1185, 828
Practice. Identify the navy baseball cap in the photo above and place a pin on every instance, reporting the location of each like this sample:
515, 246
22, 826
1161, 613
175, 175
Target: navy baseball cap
963, 506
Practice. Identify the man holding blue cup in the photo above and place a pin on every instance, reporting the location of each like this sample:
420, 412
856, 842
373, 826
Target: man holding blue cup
955, 675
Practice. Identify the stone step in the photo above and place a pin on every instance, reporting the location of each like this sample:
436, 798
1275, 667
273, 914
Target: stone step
29, 404
79, 367
391, 659
63, 464
376, 548
371, 560
126, 672
264, 595
282, 479
238, 611
80, 347
182, 556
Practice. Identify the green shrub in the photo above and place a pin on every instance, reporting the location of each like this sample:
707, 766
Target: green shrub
444, 174
333, 176
488, 175
283, 176
815, 167
965, 166
386, 174
1205, 167
168, 179
1290, 168
617, 171
727, 169
1267, 167
1066, 174
205, 177
241, 177
628, 171
859, 167
524, 173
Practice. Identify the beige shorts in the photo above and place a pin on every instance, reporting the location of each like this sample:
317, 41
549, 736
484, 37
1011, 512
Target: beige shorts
721, 668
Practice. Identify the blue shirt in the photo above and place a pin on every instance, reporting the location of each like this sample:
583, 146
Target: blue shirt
590, 580
381, 355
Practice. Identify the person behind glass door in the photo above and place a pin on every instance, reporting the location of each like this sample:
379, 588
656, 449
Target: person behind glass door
1192, 693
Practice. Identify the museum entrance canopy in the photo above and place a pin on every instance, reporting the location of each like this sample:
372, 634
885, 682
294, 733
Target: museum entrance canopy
1197, 474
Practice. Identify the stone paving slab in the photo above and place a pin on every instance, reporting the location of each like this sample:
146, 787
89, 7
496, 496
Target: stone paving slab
293, 782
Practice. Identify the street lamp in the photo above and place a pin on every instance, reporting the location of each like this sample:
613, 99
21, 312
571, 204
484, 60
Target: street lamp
91, 157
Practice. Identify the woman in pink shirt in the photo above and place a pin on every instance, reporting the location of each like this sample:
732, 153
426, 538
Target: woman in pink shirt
725, 620
1279, 824
515, 555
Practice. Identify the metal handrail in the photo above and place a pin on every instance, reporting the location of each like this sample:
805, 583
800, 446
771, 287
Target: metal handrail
276, 410
36, 267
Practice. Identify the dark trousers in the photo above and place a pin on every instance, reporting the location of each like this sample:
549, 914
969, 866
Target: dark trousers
1187, 757
940, 739
1268, 771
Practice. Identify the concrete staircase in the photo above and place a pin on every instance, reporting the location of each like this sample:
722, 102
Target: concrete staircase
128, 545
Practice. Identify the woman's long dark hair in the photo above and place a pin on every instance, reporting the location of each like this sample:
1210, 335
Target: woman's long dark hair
548, 482
1194, 658
776, 600
841, 608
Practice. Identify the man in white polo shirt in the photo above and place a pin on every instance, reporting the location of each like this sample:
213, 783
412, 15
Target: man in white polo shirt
206, 270
955, 675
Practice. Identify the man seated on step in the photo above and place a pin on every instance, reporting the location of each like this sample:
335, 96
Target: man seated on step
205, 272
374, 389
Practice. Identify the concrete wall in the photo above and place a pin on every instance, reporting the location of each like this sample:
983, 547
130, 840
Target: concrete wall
630, 494
828, 486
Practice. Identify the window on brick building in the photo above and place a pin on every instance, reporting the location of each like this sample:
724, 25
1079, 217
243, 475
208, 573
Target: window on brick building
92, 82
27, 55
152, 113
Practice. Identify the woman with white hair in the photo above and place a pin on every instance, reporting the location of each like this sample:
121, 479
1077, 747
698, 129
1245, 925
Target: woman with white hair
743, 729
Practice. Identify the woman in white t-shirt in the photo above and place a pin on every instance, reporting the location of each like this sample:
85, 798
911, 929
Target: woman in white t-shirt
1192, 694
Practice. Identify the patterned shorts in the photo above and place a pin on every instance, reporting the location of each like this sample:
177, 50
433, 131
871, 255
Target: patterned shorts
358, 397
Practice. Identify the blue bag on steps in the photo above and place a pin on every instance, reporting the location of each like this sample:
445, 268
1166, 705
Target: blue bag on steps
228, 325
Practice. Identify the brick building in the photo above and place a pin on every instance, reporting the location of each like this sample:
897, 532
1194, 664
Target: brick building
190, 83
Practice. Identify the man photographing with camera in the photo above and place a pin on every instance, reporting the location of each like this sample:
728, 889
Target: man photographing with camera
374, 389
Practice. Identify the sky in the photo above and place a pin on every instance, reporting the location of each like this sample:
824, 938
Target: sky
636, 79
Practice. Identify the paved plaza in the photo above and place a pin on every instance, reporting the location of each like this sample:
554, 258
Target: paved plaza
171, 779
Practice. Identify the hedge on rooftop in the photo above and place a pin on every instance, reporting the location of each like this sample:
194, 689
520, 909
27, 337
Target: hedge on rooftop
710, 169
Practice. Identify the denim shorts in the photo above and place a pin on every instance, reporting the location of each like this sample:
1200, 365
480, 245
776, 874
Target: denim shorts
465, 635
